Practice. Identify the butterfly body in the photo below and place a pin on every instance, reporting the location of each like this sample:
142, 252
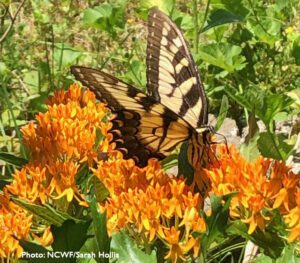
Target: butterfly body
175, 108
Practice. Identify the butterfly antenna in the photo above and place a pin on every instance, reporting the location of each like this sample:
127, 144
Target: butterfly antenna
226, 142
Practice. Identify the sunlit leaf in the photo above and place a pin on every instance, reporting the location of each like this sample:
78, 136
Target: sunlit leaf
222, 112
250, 149
128, 251
223, 55
274, 146
102, 240
45, 212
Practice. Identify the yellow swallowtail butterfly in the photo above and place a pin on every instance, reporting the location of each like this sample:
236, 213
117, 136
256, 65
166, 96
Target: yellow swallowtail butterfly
175, 108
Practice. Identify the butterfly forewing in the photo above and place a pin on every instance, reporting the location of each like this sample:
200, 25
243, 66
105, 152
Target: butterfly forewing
172, 76
143, 128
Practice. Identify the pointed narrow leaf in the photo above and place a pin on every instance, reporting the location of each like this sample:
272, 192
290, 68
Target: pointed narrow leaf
274, 146
221, 17
184, 167
100, 229
12, 159
222, 112
101, 191
45, 212
70, 236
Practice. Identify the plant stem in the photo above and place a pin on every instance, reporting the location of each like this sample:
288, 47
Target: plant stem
205, 17
196, 26
226, 250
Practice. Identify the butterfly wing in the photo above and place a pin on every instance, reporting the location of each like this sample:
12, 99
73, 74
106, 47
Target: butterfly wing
143, 128
172, 75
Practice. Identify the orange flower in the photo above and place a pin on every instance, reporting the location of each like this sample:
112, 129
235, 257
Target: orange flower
149, 202
61, 140
261, 186
46, 239
292, 220
14, 225
69, 128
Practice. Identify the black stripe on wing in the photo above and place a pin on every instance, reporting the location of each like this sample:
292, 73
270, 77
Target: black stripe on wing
142, 128
172, 76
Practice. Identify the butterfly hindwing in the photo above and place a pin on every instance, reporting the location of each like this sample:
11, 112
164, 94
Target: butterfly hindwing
143, 128
172, 76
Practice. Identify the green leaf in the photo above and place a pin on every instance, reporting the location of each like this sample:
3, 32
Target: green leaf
65, 55
165, 6
94, 16
235, 6
261, 258
99, 224
4, 181
274, 146
222, 112
267, 106
136, 74
45, 212
12, 159
184, 167
238, 228
253, 128
101, 192
33, 248
217, 221
88, 247
128, 251
289, 255
31, 79
169, 162
107, 17
99, 139
267, 30
70, 236
272, 105
221, 17
223, 55
295, 95
296, 52
250, 150
271, 244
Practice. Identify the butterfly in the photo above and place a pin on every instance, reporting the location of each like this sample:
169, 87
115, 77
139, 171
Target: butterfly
175, 108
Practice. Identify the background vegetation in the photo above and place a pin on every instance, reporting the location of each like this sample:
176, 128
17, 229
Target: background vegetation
248, 53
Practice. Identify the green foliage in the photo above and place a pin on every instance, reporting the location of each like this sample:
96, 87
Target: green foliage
217, 221
128, 250
70, 236
12, 159
222, 113
46, 213
102, 241
248, 54
184, 165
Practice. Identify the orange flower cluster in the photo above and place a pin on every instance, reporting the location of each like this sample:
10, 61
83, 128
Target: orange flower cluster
149, 203
14, 225
63, 138
261, 186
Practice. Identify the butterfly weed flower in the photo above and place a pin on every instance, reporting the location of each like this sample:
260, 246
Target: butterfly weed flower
61, 140
14, 225
261, 187
147, 201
